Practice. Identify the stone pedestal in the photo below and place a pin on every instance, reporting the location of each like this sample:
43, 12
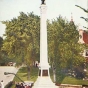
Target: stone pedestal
43, 80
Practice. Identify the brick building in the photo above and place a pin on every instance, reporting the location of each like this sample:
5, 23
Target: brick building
83, 39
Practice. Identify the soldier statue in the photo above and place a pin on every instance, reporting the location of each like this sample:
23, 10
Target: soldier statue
43, 1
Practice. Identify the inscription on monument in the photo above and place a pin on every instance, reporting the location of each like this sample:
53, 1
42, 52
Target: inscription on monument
45, 73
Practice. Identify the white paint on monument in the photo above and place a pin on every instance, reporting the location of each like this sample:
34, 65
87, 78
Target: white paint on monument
43, 80
43, 38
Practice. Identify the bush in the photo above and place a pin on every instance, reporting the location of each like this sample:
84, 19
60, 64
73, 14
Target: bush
9, 84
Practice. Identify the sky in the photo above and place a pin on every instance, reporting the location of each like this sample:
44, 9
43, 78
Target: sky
10, 9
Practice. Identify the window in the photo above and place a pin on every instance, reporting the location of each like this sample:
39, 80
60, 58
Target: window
45, 73
86, 52
80, 36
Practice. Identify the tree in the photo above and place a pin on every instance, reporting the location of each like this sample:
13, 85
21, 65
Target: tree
86, 19
4, 59
22, 38
64, 49
1, 43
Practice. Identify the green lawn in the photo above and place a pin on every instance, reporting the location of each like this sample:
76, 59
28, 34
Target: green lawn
22, 73
74, 81
61, 79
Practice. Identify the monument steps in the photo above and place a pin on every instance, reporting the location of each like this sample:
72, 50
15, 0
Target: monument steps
44, 82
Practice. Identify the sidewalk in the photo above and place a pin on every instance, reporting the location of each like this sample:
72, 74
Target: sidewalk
9, 77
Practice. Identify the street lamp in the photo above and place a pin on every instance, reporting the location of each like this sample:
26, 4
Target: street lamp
6, 73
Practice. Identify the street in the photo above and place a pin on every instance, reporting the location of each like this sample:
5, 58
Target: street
9, 77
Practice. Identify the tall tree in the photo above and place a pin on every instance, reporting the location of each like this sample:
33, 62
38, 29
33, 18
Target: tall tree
86, 19
1, 43
22, 38
64, 49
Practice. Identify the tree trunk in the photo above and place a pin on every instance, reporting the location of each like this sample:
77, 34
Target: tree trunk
54, 74
28, 68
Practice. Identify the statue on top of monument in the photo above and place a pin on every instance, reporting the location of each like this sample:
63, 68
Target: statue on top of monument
43, 1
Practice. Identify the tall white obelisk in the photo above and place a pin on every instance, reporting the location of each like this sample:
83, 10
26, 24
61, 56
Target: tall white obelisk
43, 80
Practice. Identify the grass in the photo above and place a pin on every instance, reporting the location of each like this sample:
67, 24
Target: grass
22, 74
74, 81
61, 78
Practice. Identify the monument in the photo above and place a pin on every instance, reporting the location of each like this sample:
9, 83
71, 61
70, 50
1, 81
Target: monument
43, 80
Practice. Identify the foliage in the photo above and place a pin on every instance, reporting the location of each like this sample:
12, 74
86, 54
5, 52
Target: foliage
62, 79
22, 73
9, 84
63, 46
3, 60
86, 19
1, 43
21, 42
22, 38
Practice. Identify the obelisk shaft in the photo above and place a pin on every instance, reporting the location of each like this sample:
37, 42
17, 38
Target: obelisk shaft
43, 80
43, 37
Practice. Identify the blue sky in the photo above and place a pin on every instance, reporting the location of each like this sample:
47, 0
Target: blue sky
11, 8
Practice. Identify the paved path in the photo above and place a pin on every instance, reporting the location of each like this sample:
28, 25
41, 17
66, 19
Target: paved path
7, 78
70, 86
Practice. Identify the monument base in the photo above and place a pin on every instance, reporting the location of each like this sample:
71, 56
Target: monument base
44, 82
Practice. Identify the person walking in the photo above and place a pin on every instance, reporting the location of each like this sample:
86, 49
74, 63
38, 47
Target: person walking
2, 84
17, 85
22, 86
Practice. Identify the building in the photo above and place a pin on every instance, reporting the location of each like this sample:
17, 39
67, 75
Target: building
83, 39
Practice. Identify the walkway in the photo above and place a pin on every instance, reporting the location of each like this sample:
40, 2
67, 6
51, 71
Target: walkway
7, 78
